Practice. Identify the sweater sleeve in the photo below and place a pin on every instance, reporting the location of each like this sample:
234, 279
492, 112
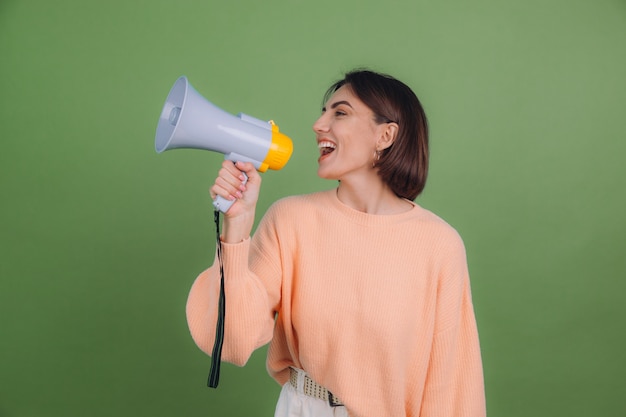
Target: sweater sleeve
252, 299
454, 383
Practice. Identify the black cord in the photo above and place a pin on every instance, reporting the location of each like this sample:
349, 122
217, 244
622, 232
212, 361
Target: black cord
216, 356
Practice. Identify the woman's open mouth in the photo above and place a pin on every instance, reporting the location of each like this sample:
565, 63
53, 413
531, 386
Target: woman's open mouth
326, 147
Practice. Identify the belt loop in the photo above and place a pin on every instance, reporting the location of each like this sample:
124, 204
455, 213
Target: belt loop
301, 376
300, 380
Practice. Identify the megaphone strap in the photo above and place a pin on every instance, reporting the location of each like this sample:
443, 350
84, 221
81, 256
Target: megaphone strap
216, 356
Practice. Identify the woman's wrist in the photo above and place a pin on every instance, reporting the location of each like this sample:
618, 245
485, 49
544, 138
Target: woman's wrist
237, 229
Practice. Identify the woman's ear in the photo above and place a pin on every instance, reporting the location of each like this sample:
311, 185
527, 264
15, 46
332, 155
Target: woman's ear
388, 135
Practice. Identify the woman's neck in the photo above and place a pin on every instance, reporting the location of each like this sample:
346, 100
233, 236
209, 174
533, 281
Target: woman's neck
371, 197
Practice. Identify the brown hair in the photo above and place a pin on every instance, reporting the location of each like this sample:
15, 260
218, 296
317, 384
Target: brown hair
404, 165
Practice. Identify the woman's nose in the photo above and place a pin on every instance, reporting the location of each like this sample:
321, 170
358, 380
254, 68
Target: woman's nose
320, 125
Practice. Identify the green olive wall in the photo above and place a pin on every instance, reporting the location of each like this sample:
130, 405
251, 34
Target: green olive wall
101, 238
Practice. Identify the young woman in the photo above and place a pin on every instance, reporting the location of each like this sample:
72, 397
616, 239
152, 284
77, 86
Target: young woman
363, 295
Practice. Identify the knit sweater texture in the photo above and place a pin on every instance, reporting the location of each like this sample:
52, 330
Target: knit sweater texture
376, 308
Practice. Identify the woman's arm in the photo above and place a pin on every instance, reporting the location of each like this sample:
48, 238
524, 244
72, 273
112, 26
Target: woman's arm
454, 383
250, 301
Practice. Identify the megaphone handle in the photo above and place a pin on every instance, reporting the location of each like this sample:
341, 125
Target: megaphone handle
222, 204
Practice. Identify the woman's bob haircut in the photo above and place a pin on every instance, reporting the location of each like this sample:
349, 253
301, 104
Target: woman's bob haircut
404, 165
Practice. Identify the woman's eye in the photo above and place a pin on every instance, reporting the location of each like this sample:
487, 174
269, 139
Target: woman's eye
340, 113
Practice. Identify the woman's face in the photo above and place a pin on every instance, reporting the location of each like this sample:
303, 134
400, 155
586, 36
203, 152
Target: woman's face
347, 136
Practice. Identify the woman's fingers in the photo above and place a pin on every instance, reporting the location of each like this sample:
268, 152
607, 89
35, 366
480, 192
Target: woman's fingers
230, 182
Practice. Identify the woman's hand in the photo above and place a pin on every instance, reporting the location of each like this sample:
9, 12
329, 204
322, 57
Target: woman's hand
229, 184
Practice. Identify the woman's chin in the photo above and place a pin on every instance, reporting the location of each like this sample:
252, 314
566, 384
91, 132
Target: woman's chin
324, 174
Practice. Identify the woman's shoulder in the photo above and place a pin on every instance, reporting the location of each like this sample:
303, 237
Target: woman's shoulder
286, 214
295, 203
430, 217
440, 229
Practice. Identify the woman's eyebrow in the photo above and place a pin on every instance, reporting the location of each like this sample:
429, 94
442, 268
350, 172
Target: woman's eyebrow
338, 103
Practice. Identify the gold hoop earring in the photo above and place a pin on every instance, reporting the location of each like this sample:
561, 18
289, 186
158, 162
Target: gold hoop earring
376, 158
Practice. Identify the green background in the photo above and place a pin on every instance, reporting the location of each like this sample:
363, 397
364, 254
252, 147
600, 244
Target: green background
101, 237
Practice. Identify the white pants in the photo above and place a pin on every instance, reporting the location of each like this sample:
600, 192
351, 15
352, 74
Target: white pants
294, 402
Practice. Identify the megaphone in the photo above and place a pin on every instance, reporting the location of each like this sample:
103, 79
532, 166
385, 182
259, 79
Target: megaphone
188, 120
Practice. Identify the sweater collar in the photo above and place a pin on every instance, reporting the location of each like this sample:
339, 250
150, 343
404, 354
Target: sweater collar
366, 218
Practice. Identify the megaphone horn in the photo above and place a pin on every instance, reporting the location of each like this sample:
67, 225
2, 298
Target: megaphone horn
188, 120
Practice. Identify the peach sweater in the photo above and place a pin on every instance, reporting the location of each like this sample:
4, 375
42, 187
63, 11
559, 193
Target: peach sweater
375, 308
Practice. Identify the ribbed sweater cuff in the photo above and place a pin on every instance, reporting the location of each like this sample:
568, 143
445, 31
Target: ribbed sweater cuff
235, 257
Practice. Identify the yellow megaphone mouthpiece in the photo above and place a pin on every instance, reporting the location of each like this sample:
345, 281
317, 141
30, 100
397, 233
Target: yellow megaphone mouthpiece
280, 150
